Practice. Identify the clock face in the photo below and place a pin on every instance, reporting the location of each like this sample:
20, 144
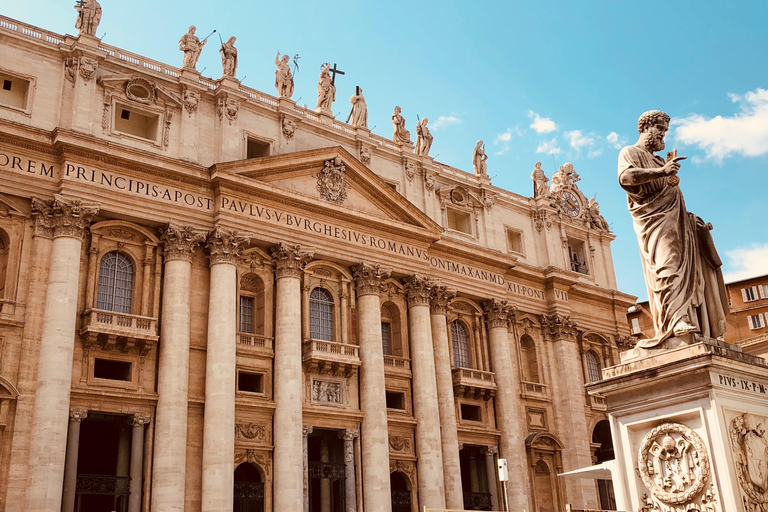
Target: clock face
570, 204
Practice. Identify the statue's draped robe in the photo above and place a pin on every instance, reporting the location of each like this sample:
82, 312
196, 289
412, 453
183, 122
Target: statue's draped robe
359, 115
681, 266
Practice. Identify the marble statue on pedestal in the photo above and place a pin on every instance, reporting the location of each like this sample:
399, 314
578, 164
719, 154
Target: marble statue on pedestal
229, 57
359, 115
681, 266
540, 187
479, 158
423, 138
88, 16
400, 135
326, 91
283, 77
192, 47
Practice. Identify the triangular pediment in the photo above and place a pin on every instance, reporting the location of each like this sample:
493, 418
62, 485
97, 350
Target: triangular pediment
10, 205
300, 176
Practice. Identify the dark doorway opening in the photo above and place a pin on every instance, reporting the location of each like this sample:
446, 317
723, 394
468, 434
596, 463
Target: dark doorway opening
325, 451
602, 435
249, 489
401, 492
474, 479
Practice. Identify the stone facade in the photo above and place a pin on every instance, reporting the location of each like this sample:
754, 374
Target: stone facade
211, 295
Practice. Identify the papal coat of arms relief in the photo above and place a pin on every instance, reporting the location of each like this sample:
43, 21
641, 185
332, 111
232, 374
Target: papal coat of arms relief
332, 181
674, 465
750, 456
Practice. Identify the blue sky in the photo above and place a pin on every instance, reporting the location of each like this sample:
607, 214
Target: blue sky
536, 80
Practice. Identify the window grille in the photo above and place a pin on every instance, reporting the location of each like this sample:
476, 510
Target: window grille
115, 283
460, 342
593, 367
246, 314
321, 315
386, 338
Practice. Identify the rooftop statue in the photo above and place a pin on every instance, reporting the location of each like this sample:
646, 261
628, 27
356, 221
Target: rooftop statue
326, 90
423, 138
540, 180
681, 266
192, 47
563, 178
228, 54
359, 115
400, 135
479, 158
283, 77
88, 16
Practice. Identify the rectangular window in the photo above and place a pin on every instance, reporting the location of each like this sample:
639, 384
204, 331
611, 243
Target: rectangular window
471, 412
112, 370
138, 124
395, 400
459, 221
749, 294
250, 382
635, 326
578, 256
246, 314
14, 92
386, 338
514, 241
756, 321
256, 148
763, 291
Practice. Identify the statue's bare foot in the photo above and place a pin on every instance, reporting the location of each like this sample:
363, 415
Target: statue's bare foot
683, 328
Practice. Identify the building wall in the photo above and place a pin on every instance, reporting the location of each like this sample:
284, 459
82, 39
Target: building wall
62, 154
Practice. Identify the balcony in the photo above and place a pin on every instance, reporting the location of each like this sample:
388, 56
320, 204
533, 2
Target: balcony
534, 390
597, 402
117, 331
254, 343
330, 358
478, 501
469, 383
395, 365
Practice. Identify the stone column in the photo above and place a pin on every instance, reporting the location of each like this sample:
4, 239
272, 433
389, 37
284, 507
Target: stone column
438, 306
223, 248
123, 452
325, 483
138, 423
169, 467
425, 407
350, 485
305, 431
492, 472
288, 484
373, 399
509, 408
76, 416
67, 221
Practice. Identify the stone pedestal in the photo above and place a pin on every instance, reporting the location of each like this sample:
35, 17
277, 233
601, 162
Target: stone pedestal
688, 428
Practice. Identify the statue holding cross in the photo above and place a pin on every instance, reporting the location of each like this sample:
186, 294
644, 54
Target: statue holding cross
326, 91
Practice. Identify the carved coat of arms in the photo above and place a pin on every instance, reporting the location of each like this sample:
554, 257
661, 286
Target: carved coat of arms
750, 455
332, 182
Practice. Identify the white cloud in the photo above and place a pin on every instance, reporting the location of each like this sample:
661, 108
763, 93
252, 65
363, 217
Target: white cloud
746, 262
445, 121
745, 133
613, 138
503, 141
577, 140
549, 147
541, 124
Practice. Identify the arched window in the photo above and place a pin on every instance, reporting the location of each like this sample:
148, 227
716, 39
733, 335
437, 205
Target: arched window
115, 283
593, 366
460, 341
321, 315
530, 361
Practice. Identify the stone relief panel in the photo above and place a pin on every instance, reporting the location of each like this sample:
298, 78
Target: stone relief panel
750, 456
402, 444
332, 181
536, 418
328, 392
251, 432
673, 464
258, 457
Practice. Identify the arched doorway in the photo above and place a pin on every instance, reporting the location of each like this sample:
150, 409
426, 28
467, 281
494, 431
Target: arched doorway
601, 435
542, 487
249, 489
545, 462
401, 492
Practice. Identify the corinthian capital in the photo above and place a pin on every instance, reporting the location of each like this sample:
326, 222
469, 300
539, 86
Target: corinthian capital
290, 259
439, 298
417, 289
78, 414
225, 246
556, 327
62, 216
180, 242
498, 313
139, 420
369, 278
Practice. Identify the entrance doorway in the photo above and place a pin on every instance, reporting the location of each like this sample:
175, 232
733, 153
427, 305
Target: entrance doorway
249, 489
325, 451
474, 479
401, 493
602, 435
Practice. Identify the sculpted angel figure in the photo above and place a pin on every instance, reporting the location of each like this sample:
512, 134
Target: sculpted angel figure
359, 114
681, 266
596, 221
192, 47
478, 159
88, 16
326, 91
229, 57
400, 135
423, 138
283, 77
540, 180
